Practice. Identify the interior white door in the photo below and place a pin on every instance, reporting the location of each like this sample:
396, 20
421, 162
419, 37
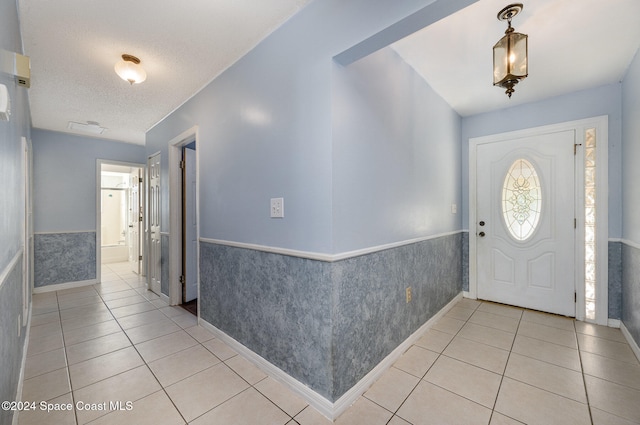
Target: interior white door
155, 250
190, 227
525, 240
134, 221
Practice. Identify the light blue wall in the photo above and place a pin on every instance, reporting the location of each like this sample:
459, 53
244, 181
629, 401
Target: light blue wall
11, 200
266, 129
64, 178
605, 100
631, 197
64, 209
287, 121
396, 155
631, 152
11, 216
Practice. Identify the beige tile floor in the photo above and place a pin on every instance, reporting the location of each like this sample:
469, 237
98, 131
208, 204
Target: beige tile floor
482, 363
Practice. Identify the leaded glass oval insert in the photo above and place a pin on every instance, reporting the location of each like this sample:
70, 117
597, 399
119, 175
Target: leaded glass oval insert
521, 199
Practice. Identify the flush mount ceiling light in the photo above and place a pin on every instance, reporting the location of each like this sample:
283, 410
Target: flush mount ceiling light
510, 53
129, 69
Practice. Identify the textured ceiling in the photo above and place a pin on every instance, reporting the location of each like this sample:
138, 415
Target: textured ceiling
573, 45
183, 45
74, 44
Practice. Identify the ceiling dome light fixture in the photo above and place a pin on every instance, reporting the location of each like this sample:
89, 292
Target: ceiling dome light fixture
510, 53
129, 69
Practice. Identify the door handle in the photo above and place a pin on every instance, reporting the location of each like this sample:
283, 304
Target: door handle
481, 234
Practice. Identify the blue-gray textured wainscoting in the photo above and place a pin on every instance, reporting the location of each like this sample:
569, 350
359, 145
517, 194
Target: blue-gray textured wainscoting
11, 345
631, 290
615, 280
327, 324
371, 316
64, 258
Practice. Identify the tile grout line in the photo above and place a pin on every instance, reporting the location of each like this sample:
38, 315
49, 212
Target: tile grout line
69, 367
200, 343
504, 371
521, 321
394, 414
132, 345
442, 354
66, 360
143, 359
582, 374
584, 381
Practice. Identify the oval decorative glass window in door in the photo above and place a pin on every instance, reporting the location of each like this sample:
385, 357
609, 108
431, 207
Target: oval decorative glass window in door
521, 199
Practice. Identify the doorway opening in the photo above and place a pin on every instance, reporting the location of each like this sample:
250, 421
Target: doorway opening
189, 229
121, 200
184, 224
505, 269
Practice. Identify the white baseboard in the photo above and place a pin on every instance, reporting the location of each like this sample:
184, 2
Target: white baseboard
22, 366
613, 323
314, 399
329, 409
352, 395
632, 342
61, 286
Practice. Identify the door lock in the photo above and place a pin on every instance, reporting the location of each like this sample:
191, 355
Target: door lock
481, 223
481, 234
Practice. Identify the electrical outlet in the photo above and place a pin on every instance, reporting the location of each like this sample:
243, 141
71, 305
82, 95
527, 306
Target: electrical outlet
277, 207
454, 209
408, 293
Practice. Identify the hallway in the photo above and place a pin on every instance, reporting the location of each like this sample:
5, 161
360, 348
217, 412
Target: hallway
481, 363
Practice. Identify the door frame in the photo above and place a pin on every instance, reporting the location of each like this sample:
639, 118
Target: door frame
27, 242
188, 212
148, 249
602, 207
175, 213
139, 218
99, 163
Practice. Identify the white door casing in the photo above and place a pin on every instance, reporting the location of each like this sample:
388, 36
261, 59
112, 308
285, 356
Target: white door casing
175, 213
134, 221
190, 226
27, 253
536, 272
121, 167
155, 251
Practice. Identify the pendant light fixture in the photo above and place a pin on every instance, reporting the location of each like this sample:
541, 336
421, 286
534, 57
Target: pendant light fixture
129, 69
510, 53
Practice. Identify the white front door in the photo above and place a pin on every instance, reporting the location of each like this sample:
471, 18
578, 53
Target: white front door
525, 212
155, 248
190, 226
